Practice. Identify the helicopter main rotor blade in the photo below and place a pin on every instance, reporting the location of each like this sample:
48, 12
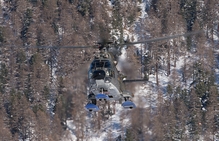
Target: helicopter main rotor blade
50, 47
163, 38
104, 42
58, 47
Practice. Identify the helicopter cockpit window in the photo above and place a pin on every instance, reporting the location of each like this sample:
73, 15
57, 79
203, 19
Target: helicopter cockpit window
100, 64
107, 64
99, 74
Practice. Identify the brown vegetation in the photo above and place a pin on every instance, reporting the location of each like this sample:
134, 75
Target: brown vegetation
33, 78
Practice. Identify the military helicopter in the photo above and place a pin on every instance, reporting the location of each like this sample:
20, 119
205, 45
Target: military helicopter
106, 83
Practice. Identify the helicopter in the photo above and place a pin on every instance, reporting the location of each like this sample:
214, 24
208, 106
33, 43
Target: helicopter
106, 83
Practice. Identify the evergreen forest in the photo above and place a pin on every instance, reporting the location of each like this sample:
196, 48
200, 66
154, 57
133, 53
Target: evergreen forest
43, 87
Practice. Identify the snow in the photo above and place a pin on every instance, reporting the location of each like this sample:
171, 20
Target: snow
122, 59
2, 6
112, 127
1, 2
143, 10
145, 97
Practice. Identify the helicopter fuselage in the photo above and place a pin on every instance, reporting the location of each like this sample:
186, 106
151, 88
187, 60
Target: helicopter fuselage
105, 81
103, 78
